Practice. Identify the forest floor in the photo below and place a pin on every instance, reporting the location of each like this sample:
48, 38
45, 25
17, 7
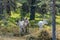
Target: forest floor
34, 32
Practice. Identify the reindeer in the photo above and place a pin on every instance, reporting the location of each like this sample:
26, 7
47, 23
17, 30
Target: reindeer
42, 23
23, 24
26, 21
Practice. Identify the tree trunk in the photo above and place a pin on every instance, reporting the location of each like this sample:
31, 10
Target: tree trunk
53, 12
32, 9
1, 10
32, 13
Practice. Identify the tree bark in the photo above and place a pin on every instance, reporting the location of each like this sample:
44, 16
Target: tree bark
1, 10
32, 13
53, 12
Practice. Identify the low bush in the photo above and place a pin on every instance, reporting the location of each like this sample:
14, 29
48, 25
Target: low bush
43, 35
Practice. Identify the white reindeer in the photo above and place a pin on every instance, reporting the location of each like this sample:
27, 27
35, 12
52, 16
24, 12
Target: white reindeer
23, 25
42, 23
26, 22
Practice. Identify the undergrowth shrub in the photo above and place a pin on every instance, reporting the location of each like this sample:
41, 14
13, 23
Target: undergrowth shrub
43, 35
